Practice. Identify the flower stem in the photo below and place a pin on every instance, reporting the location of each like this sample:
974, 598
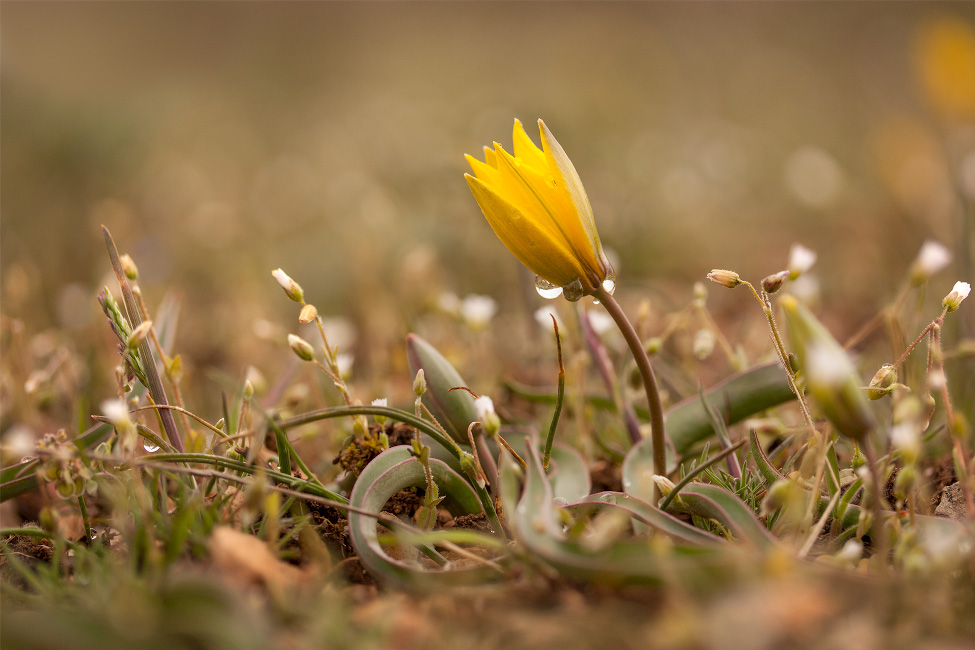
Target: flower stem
657, 432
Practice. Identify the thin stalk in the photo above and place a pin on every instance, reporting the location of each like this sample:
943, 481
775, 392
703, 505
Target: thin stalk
601, 360
550, 440
177, 395
84, 518
876, 507
657, 432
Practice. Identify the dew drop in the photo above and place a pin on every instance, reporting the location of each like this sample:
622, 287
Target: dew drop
27, 459
574, 290
609, 284
546, 289
149, 446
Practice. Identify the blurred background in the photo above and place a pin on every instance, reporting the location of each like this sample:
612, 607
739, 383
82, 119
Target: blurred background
220, 141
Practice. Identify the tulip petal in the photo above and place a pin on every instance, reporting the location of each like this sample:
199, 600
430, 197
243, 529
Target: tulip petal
489, 157
484, 171
524, 238
549, 208
526, 150
566, 172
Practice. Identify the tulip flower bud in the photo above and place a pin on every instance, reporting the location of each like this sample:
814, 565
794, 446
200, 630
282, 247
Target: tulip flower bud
535, 203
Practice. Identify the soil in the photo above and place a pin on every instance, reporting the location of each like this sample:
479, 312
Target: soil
31, 551
360, 450
606, 476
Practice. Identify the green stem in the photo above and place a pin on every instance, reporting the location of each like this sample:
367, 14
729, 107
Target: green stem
558, 402
657, 431
84, 518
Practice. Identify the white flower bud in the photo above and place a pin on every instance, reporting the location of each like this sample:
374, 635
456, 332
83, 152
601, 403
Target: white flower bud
958, 293
291, 288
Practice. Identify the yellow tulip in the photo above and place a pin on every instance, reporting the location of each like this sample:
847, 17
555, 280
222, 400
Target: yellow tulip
536, 205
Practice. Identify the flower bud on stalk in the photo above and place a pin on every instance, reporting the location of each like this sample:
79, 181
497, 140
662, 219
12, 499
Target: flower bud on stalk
958, 293
535, 203
830, 376
486, 415
725, 278
882, 382
774, 282
302, 348
291, 288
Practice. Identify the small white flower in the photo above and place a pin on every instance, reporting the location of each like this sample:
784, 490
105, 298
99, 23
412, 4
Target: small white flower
116, 411
958, 293
379, 402
933, 258
343, 364
283, 278
801, 259
340, 331
851, 552
483, 406
828, 366
477, 311
449, 303
601, 321
806, 289
543, 316
291, 288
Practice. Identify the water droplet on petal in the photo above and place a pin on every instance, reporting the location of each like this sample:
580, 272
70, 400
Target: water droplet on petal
574, 290
609, 284
546, 289
150, 446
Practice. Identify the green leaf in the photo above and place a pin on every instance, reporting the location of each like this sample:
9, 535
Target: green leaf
454, 409
391, 471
